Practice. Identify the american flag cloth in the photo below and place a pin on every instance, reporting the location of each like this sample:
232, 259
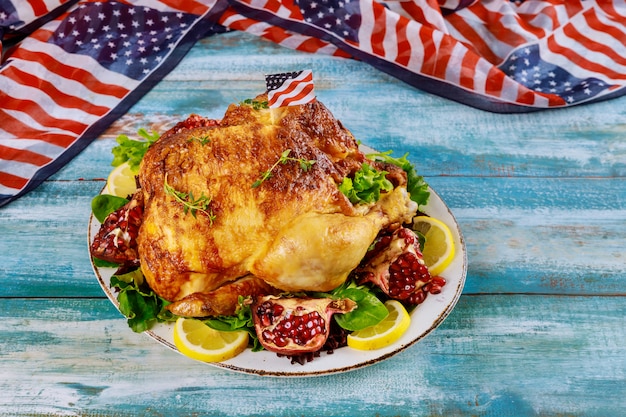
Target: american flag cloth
69, 68
290, 88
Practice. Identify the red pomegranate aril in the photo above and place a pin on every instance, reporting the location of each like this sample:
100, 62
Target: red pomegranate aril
439, 280
435, 289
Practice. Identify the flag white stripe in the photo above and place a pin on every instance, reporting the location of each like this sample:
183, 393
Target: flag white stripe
66, 85
455, 63
579, 49
480, 75
33, 145
31, 122
366, 28
417, 47
49, 106
390, 41
596, 57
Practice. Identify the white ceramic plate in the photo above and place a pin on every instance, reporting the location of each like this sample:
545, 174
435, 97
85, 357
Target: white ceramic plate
425, 318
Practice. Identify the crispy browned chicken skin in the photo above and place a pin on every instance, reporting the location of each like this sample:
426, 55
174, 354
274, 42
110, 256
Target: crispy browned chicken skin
295, 231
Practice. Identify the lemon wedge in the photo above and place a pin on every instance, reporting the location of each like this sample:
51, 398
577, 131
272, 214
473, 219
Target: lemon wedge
385, 332
195, 339
121, 181
439, 247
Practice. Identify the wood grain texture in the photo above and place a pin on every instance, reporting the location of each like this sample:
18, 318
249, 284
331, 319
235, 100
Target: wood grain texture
540, 328
503, 355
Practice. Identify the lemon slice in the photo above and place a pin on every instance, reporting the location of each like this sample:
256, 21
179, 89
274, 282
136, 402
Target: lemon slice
384, 333
121, 181
439, 247
199, 341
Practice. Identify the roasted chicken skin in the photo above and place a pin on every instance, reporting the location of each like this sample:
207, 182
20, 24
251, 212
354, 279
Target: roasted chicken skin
292, 229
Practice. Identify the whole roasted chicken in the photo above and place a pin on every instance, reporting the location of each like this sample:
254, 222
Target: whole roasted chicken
251, 205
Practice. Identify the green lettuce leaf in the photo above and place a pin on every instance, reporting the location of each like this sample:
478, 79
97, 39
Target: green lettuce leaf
138, 303
416, 185
366, 185
132, 150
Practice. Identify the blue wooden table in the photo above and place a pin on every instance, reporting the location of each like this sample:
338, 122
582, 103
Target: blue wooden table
540, 329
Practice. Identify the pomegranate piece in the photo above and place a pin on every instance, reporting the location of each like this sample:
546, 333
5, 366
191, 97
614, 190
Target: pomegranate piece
190, 122
116, 240
295, 325
396, 265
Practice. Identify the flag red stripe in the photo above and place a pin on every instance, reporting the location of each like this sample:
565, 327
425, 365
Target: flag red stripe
306, 90
573, 7
190, 6
609, 9
581, 61
494, 82
314, 44
592, 20
275, 34
293, 85
35, 111
22, 155
430, 51
404, 46
12, 181
61, 98
378, 35
21, 130
443, 56
592, 45
476, 41
468, 66
525, 96
502, 33
39, 7
416, 12
67, 71
272, 5
76, 74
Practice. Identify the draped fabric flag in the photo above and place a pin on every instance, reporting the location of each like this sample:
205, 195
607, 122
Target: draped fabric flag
69, 68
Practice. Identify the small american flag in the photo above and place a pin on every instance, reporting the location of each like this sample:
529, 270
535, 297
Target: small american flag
290, 88
69, 68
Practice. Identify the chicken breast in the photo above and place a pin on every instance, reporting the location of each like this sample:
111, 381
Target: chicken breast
257, 195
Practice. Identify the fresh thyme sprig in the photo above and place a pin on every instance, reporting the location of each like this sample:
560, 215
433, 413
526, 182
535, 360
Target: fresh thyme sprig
190, 203
203, 140
256, 105
305, 165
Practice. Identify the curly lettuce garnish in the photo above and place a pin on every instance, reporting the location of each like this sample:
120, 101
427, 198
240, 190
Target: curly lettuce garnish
366, 185
416, 186
132, 150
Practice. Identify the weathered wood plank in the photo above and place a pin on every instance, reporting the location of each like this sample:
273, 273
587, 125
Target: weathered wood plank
493, 356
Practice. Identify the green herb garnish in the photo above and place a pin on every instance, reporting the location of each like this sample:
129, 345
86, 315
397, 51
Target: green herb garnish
138, 303
190, 203
256, 105
305, 165
132, 150
203, 140
366, 185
